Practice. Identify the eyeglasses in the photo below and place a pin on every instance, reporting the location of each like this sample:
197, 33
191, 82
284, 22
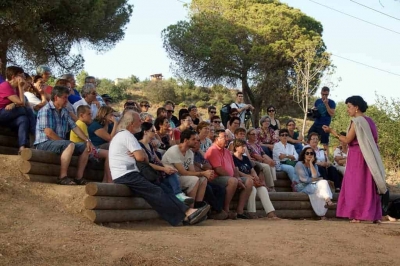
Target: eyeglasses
284, 135
235, 114
309, 153
146, 105
271, 110
93, 93
216, 121
291, 124
213, 112
152, 131
187, 120
240, 96
170, 111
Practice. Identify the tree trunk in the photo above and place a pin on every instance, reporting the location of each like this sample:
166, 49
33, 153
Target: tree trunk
3, 56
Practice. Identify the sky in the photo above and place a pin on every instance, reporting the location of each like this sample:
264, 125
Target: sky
141, 53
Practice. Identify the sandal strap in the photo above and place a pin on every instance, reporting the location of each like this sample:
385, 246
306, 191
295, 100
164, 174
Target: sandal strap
66, 181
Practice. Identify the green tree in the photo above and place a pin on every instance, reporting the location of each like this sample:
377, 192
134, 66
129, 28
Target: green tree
80, 78
37, 32
160, 91
239, 41
117, 92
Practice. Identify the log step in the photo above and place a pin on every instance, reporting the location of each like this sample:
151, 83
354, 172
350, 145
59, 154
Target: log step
8, 150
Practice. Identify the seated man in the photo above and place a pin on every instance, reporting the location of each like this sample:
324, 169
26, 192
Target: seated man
144, 106
14, 110
340, 155
53, 124
195, 115
169, 107
124, 151
215, 194
88, 98
181, 157
225, 174
285, 155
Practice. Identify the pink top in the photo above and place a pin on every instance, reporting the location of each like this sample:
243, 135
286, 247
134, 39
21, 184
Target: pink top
220, 158
177, 135
6, 91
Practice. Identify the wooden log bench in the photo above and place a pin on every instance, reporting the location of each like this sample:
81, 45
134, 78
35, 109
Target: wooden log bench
8, 141
115, 203
44, 166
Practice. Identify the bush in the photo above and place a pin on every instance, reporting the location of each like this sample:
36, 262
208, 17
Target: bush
159, 91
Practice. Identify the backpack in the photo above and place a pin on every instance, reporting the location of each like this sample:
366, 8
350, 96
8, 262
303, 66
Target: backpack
224, 114
394, 209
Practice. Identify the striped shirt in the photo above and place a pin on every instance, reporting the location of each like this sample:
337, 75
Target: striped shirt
48, 117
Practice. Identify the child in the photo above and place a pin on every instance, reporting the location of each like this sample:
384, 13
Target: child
84, 119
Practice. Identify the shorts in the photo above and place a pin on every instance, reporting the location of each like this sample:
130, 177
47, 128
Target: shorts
223, 180
58, 146
189, 182
323, 135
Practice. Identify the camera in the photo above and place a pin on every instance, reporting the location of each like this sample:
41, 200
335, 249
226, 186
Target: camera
313, 113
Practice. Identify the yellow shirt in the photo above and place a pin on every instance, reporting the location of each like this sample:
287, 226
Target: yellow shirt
73, 137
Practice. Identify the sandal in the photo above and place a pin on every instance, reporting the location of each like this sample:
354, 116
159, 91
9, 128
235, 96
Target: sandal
329, 203
65, 181
355, 221
81, 182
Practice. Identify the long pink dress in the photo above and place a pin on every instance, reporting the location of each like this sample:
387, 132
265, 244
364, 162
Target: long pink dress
358, 197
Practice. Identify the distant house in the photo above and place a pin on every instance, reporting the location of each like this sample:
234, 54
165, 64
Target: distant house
118, 81
156, 77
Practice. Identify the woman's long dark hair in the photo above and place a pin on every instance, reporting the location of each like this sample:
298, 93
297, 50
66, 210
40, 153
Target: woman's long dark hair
302, 156
145, 127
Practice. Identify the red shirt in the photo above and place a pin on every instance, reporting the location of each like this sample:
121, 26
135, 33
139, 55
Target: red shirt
6, 91
220, 158
48, 89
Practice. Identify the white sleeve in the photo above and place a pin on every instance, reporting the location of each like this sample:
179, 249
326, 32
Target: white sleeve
294, 152
336, 152
32, 99
132, 144
276, 151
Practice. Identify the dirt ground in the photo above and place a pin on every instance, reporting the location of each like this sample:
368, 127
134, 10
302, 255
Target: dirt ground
43, 224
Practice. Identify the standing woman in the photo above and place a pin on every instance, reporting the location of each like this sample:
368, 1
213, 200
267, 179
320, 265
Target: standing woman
364, 178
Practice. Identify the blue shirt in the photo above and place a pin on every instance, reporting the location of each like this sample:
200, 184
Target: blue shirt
96, 140
1, 79
73, 98
48, 117
325, 118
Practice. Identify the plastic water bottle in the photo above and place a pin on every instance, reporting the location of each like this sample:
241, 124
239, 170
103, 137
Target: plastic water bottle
278, 166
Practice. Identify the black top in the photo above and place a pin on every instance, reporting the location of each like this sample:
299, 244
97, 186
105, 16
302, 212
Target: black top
244, 165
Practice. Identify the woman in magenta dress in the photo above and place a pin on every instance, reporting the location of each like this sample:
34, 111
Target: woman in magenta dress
364, 178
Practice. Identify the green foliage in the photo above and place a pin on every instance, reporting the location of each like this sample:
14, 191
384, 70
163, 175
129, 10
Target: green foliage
80, 78
117, 92
251, 42
37, 32
160, 91
386, 115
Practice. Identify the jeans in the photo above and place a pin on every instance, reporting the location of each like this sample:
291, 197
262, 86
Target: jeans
298, 147
172, 181
165, 204
267, 151
22, 119
289, 170
215, 196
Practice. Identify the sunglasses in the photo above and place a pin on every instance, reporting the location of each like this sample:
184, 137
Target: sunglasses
216, 121
309, 153
325, 94
271, 110
283, 135
146, 105
152, 130
170, 111
235, 113
213, 112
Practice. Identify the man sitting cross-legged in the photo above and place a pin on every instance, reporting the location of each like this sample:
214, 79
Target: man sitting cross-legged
53, 124
124, 152
221, 160
181, 157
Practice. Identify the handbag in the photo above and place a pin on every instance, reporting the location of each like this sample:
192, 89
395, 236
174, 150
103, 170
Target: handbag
289, 162
147, 171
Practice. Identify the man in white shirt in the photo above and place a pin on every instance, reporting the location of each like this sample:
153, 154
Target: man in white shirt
88, 98
241, 107
181, 157
285, 155
124, 151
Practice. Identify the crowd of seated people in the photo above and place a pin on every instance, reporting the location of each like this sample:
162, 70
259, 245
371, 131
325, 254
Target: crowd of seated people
199, 161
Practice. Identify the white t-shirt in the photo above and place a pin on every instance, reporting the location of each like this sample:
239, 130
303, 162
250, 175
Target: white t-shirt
32, 99
340, 153
93, 107
242, 114
120, 162
174, 155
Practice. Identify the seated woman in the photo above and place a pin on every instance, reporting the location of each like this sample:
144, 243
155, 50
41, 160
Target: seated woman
185, 123
245, 168
340, 155
216, 122
168, 176
275, 124
312, 184
34, 92
325, 167
261, 159
15, 113
295, 137
203, 129
267, 137
211, 133
161, 111
164, 131
233, 124
103, 128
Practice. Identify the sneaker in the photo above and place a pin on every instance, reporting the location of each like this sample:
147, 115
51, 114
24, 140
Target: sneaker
185, 199
219, 216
